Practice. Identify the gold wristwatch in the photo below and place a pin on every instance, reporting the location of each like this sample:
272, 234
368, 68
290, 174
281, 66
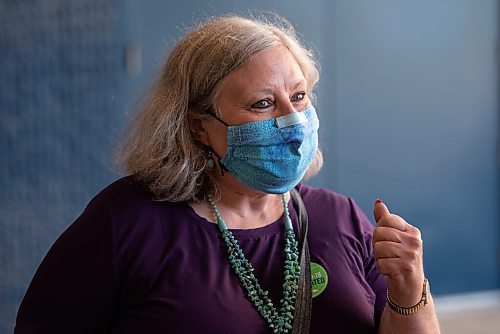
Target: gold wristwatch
413, 309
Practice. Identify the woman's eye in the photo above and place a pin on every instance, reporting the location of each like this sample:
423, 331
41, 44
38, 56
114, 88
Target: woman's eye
298, 97
261, 104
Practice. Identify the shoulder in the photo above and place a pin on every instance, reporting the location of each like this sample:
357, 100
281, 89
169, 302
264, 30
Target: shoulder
333, 211
326, 201
126, 196
123, 191
129, 208
313, 194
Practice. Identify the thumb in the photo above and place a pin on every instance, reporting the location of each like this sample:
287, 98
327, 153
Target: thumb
380, 210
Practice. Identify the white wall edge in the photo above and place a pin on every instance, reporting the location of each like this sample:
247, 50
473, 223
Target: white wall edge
467, 301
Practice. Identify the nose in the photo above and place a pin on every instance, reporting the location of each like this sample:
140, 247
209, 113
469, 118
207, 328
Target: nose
285, 107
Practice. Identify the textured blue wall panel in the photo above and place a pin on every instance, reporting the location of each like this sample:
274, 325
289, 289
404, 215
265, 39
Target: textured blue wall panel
60, 63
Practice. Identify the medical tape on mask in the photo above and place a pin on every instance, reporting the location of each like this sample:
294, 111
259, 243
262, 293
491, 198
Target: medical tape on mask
291, 119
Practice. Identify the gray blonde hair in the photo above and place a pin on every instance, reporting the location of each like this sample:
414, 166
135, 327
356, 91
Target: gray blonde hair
160, 151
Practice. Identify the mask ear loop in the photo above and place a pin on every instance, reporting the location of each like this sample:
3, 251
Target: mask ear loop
221, 165
217, 118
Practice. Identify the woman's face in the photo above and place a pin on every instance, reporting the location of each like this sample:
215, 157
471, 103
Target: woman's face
269, 85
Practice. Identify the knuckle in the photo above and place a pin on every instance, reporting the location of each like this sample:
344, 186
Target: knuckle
412, 257
407, 267
397, 236
415, 242
414, 231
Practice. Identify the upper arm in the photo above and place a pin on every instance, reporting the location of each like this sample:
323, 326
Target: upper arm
75, 289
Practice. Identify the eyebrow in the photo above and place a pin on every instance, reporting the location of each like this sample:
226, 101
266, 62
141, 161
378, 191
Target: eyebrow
300, 83
271, 90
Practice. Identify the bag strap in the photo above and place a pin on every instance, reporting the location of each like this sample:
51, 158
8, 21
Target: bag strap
303, 302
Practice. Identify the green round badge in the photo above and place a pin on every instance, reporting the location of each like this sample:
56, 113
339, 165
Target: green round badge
319, 279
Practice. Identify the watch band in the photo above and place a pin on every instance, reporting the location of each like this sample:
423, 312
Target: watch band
413, 309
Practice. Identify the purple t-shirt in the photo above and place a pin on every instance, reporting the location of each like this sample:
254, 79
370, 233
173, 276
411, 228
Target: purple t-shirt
130, 264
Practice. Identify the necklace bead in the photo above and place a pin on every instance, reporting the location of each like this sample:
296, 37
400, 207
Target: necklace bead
279, 320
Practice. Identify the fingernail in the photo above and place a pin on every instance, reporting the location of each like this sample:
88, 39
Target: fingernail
378, 201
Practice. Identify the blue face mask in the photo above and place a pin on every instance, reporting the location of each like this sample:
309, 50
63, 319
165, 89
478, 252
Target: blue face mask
272, 155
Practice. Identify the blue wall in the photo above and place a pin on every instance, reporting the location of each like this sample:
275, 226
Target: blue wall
416, 123
408, 102
60, 69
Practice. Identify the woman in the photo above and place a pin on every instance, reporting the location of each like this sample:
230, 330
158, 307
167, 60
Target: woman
202, 236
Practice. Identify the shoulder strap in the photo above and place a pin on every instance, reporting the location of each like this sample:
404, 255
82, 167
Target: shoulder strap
303, 302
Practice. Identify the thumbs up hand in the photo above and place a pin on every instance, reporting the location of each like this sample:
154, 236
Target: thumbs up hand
398, 251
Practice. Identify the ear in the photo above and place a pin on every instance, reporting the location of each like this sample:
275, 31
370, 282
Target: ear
197, 127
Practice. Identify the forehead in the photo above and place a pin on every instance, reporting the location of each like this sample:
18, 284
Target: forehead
271, 69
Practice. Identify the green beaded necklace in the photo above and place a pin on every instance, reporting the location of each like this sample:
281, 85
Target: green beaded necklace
280, 321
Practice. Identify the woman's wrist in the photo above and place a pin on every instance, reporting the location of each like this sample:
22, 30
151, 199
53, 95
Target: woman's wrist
414, 308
